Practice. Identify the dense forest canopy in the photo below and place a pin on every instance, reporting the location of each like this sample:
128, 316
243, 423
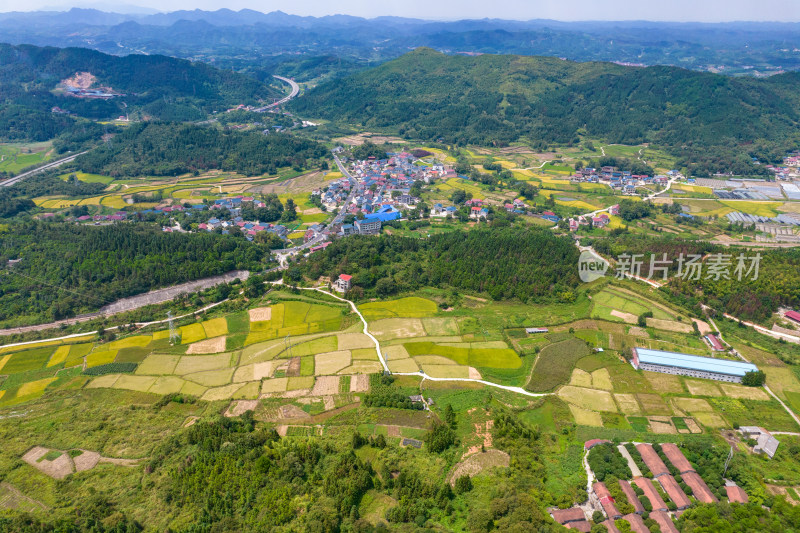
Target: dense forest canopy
65, 269
168, 149
234, 474
497, 99
777, 282
528, 264
161, 87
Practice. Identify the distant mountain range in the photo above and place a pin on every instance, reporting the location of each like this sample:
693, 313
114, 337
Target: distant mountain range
736, 48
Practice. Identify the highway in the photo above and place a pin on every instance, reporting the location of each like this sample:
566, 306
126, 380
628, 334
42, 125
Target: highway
11, 181
295, 92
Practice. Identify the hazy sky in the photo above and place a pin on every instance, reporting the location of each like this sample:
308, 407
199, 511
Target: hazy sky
671, 10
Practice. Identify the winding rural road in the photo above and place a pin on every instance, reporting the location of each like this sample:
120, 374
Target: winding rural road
295, 92
16, 179
518, 390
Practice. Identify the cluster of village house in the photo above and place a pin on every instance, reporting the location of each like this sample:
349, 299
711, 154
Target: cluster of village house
381, 183
599, 221
249, 228
600, 498
621, 180
234, 206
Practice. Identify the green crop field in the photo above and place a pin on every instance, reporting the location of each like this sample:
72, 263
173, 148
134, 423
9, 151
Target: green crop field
555, 363
87, 178
15, 157
77, 352
139, 341
28, 360
101, 357
412, 307
59, 356
216, 327
192, 333
478, 357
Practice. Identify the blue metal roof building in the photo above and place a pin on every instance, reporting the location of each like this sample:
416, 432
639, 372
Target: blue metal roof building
691, 365
384, 214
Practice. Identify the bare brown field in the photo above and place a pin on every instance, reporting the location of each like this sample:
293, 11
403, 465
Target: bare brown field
479, 462
215, 345
239, 407
58, 468
326, 386
359, 383
669, 325
260, 314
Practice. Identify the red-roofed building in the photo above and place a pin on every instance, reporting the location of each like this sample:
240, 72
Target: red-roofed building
793, 315
664, 522
651, 493
636, 522
343, 283
589, 444
699, 488
611, 527
736, 494
633, 499
652, 460
674, 492
565, 516
713, 341
601, 491
677, 458
583, 526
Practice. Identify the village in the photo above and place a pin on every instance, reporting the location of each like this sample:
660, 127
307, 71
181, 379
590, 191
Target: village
661, 483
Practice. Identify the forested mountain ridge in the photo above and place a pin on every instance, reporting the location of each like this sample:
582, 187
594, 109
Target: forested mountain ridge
497, 99
157, 86
168, 149
65, 269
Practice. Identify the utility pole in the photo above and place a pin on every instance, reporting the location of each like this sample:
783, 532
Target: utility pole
727, 462
173, 333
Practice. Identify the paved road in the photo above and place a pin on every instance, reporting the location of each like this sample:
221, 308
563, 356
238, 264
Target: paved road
16, 179
353, 183
285, 252
295, 92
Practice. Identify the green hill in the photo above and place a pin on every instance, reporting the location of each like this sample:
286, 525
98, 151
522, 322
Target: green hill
155, 86
169, 149
497, 99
